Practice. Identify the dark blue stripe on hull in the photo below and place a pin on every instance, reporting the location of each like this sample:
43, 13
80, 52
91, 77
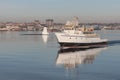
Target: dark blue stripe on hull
83, 45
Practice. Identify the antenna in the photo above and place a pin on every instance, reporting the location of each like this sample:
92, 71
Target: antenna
75, 22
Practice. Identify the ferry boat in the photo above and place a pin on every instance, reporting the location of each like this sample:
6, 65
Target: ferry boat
80, 37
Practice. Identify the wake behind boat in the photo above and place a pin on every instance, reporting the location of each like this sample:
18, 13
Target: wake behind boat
80, 37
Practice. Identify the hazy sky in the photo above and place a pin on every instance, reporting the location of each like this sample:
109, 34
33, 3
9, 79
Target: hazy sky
60, 10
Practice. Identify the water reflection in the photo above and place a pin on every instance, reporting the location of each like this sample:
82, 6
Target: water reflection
45, 38
70, 59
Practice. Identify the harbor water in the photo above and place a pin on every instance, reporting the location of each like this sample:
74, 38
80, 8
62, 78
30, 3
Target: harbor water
38, 57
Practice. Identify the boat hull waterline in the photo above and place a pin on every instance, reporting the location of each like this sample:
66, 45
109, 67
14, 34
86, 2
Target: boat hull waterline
82, 45
74, 36
76, 41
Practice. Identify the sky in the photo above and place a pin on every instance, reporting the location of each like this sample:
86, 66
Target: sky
60, 10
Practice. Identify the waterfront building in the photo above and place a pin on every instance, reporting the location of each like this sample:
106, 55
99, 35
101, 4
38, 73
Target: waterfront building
49, 22
13, 27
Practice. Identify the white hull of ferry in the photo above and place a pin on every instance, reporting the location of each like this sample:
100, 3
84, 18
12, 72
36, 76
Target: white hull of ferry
79, 40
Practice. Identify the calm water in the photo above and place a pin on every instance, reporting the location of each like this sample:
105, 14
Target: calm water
37, 57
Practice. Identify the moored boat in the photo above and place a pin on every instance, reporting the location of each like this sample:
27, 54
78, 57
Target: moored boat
45, 32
